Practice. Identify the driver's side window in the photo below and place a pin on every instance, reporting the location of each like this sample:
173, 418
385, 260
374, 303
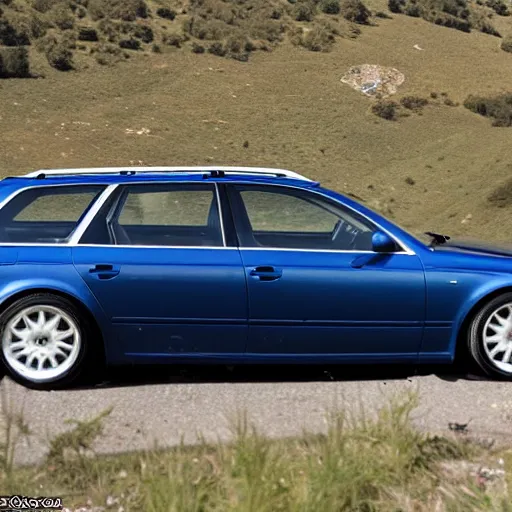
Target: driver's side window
279, 217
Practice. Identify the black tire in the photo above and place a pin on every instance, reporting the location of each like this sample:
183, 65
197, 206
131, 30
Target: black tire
78, 367
476, 338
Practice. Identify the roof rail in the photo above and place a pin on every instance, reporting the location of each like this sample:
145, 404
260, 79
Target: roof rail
279, 173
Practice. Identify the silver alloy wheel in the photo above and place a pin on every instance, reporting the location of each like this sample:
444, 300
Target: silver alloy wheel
41, 343
497, 337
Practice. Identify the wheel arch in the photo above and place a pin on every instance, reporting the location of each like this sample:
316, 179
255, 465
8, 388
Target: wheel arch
98, 338
469, 315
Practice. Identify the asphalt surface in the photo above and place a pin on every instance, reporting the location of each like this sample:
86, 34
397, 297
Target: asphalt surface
165, 405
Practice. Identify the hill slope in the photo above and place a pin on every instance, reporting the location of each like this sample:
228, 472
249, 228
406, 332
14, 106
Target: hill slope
288, 108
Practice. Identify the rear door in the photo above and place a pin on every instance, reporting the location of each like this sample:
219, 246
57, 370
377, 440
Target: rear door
156, 259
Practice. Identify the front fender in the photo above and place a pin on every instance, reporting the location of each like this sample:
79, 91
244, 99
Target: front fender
479, 294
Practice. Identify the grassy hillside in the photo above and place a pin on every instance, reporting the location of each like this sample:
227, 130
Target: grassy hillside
441, 167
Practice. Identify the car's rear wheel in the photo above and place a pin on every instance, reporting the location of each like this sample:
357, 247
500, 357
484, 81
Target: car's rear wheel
490, 337
44, 341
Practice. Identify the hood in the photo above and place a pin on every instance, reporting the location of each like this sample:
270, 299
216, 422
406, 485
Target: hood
476, 246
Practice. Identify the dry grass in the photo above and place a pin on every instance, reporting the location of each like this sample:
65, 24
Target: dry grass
375, 461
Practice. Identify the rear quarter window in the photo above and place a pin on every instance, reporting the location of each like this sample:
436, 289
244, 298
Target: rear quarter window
46, 214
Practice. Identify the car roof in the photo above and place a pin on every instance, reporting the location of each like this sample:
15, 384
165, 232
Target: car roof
123, 175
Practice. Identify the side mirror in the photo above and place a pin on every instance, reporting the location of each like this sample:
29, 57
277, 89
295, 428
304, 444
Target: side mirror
382, 242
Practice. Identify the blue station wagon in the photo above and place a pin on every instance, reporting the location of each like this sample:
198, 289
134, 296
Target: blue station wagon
231, 265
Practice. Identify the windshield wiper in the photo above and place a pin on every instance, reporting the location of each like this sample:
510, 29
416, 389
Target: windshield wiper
438, 239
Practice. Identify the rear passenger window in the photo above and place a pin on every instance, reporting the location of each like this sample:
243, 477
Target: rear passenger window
168, 215
46, 214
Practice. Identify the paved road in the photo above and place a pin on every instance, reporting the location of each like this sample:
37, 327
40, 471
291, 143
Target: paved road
153, 405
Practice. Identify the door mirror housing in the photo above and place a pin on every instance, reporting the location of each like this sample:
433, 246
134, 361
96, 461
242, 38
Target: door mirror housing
382, 242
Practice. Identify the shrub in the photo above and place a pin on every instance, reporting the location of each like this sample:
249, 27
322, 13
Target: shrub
211, 30
498, 6
87, 34
413, 102
108, 54
166, 13
506, 44
355, 11
62, 17
319, 39
304, 11
175, 40
330, 6
14, 63
386, 109
449, 21
60, 57
11, 35
499, 108
198, 48
217, 48
130, 44
109, 29
126, 10
487, 28
502, 196
144, 33
396, 6
413, 10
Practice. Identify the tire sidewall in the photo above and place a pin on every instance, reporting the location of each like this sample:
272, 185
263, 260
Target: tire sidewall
65, 305
476, 335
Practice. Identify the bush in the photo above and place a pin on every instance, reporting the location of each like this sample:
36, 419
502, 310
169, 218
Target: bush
487, 28
62, 17
413, 10
498, 6
330, 6
502, 196
304, 11
130, 44
217, 48
319, 39
175, 40
87, 34
144, 33
166, 13
396, 6
506, 44
413, 102
449, 21
14, 63
10, 35
108, 54
60, 57
198, 48
386, 109
355, 11
499, 108
44, 5
126, 10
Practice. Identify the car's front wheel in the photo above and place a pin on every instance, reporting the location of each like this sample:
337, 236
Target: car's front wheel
490, 337
44, 341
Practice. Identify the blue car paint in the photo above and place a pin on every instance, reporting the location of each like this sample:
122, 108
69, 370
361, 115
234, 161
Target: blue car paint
405, 308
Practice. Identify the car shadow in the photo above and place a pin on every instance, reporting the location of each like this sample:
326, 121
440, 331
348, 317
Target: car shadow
203, 374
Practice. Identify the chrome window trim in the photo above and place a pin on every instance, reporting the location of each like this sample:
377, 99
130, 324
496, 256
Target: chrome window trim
90, 215
406, 249
88, 220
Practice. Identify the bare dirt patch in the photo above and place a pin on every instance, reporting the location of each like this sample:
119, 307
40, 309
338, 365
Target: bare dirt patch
374, 80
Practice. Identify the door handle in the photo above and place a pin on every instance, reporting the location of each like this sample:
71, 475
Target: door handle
266, 273
104, 271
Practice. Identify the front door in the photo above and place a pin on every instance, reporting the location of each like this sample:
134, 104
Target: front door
156, 260
308, 292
